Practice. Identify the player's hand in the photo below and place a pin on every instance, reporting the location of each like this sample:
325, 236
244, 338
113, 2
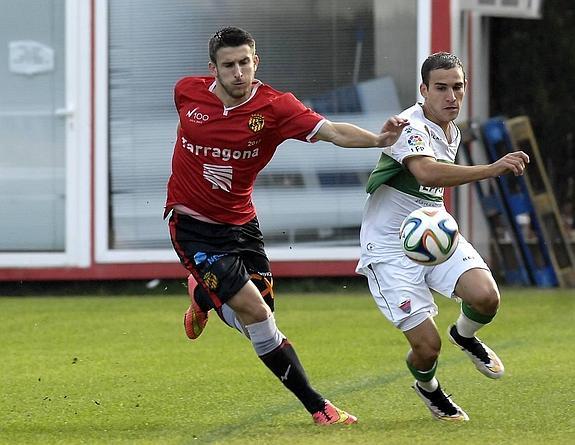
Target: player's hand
514, 162
391, 131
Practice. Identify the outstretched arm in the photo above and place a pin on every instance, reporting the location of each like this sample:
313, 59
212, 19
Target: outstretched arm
352, 136
431, 173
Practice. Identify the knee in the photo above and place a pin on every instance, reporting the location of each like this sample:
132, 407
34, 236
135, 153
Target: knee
249, 305
426, 352
253, 311
260, 312
487, 300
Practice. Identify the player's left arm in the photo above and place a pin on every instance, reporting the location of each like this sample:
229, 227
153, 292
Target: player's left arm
349, 135
431, 173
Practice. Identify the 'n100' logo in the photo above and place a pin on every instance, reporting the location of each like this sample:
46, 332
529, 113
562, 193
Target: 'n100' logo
196, 116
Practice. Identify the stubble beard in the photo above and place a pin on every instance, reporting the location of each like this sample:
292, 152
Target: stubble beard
236, 93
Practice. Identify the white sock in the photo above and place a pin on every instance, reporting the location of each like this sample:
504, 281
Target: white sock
231, 320
264, 335
430, 386
467, 327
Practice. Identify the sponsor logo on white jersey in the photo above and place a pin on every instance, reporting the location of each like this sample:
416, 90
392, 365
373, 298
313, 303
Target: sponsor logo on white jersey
433, 191
220, 176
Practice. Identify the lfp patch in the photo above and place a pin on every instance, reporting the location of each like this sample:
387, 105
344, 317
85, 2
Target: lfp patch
415, 140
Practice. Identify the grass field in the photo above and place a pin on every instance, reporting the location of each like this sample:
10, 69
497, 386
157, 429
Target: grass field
103, 370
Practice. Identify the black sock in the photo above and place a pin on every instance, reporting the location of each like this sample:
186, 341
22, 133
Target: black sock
285, 365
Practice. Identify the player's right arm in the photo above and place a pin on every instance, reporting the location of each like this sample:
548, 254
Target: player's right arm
431, 173
348, 135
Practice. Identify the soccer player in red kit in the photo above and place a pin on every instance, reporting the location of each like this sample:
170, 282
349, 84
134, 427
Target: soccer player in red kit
230, 126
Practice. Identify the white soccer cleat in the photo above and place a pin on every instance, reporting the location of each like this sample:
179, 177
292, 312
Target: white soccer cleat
482, 356
441, 405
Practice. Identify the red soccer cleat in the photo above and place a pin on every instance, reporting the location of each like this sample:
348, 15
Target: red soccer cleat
195, 318
331, 414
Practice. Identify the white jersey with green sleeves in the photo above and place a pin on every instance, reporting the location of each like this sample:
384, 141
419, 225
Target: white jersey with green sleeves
394, 191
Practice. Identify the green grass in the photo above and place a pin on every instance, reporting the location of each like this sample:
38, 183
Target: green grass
102, 370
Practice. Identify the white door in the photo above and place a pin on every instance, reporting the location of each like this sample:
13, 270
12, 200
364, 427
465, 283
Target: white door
44, 139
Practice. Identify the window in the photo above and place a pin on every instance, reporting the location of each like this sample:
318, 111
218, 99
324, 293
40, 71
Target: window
32, 131
333, 55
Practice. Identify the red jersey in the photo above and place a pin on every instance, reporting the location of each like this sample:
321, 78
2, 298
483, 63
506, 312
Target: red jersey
220, 150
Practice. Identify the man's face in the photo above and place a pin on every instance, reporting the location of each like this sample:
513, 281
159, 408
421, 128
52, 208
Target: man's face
444, 96
235, 71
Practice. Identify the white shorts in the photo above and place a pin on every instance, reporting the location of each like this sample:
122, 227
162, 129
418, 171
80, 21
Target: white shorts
401, 287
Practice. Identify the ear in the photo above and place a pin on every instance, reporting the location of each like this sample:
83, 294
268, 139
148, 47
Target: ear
423, 90
213, 69
256, 61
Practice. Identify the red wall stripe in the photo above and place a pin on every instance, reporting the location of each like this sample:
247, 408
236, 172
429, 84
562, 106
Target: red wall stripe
149, 271
441, 41
440, 25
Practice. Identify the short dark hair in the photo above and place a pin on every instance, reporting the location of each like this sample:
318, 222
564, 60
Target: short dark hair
230, 36
440, 61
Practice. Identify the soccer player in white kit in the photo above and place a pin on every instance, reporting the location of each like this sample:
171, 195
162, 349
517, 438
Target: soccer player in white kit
411, 174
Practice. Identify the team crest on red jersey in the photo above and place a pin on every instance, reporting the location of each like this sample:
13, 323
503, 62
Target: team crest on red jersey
256, 122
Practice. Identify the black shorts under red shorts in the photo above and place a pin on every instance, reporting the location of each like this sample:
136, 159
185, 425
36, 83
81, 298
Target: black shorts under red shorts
222, 258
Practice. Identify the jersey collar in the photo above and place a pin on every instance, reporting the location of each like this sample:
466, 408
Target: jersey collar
453, 129
255, 85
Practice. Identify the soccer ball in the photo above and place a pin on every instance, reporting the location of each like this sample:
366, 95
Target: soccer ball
429, 236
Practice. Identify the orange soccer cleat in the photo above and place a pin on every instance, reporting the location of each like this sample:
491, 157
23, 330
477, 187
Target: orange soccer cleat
331, 414
195, 318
